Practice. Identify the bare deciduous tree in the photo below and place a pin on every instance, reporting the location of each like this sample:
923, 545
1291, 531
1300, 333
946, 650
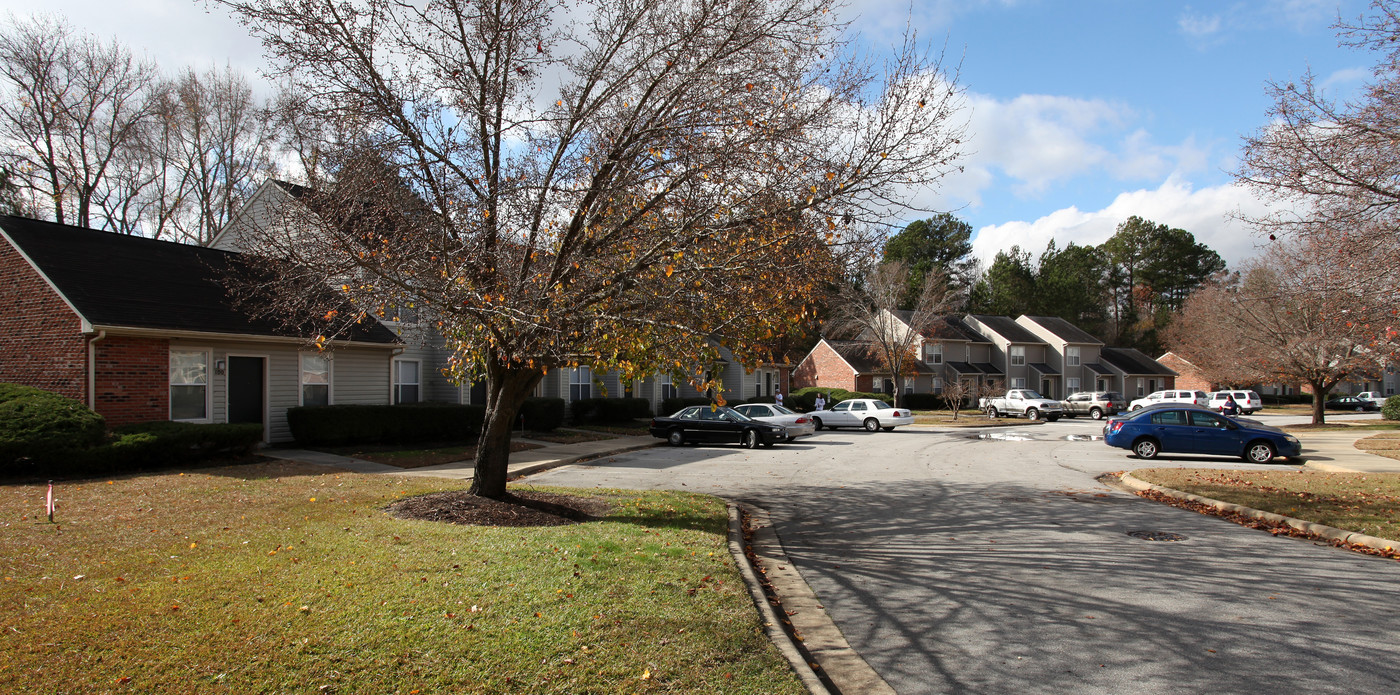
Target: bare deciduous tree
607, 184
71, 109
955, 394
1290, 317
868, 309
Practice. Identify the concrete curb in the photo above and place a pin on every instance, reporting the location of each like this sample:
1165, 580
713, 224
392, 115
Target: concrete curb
820, 640
1323, 531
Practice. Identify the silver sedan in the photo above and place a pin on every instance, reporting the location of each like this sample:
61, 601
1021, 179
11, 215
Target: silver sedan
796, 424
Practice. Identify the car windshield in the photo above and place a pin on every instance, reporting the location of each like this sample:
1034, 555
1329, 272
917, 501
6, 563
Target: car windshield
1030, 394
782, 410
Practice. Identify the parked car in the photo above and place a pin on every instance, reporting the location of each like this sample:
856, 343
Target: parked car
1373, 396
1351, 403
1249, 402
1022, 402
1095, 404
702, 423
1185, 428
869, 413
796, 424
1198, 397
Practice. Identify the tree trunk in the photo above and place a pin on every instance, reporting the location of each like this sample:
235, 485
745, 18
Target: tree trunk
1319, 390
506, 389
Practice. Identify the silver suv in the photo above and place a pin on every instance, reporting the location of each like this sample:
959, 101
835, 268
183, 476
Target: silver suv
1095, 404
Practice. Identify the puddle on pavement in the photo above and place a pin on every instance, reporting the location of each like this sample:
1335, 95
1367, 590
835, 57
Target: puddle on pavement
1083, 437
1002, 436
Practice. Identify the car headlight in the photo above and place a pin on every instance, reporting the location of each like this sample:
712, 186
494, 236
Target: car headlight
1291, 439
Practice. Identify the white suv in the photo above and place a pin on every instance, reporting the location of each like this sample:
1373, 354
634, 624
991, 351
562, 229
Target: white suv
1249, 402
1197, 397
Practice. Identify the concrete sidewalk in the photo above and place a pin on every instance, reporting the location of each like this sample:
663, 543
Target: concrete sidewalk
1336, 452
521, 462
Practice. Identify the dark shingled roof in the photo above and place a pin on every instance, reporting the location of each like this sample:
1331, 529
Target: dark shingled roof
131, 281
1006, 327
859, 355
1064, 330
1132, 361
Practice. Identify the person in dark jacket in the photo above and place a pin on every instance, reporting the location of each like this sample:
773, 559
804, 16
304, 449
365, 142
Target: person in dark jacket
1230, 407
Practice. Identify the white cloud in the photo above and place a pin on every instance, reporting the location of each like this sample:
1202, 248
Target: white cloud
1346, 78
1198, 26
1205, 213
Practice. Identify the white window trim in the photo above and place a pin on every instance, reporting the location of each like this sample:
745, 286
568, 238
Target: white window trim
330, 378
1072, 385
1012, 356
574, 378
934, 354
1072, 356
394, 387
208, 385
1018, 382
908, 384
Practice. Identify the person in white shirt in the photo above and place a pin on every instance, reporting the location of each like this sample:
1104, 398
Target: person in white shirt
820, 403
778, 397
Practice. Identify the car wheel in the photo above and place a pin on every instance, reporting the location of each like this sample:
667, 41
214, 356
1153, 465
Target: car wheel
992, 412
1136, 407
1145, 448
1259, 452
1360, 409
1032, 414
887, 429
871, 424
817, 423
769, 445
1052, 418
675, 438
750, 440
1096, 413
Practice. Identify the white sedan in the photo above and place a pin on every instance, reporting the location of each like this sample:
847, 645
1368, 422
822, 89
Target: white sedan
869, 413
796, 424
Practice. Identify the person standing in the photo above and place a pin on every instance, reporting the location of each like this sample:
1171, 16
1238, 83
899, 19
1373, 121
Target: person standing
778, 397
820, 403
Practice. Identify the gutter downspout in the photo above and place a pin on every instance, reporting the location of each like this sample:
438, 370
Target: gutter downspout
92, 368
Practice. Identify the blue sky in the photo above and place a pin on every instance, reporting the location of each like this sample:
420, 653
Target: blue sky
1081, 112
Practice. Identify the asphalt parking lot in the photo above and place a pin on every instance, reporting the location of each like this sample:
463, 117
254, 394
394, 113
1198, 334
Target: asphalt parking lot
992, 561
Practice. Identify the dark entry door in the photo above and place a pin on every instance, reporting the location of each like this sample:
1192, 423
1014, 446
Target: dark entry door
245, 389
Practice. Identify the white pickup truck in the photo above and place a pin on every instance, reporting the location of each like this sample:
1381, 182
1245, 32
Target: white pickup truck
1373, 396
1022, 402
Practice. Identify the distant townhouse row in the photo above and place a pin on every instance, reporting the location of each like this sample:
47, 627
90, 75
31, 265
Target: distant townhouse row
1044, 353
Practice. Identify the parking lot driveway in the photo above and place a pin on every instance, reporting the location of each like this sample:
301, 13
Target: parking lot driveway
997, 566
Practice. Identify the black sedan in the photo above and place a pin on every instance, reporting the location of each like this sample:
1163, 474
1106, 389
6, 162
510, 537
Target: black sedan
702, 423
1359, 405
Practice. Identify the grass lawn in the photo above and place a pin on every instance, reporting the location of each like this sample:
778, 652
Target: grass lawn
636, 428
283, 578
1363, 502
1387, 444
966, 418
567, 436
397, 455
1344, 426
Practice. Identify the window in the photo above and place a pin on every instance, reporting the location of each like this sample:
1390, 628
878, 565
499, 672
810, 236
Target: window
1169, 417
908, 384
937, 385
189, 385
1140, 390
933, 353
1018, 383
1071, 357
401, 313
315, 380
406, 381
858, 405
1018, 355
668, 390
580, 384
1209, 420
1072, 385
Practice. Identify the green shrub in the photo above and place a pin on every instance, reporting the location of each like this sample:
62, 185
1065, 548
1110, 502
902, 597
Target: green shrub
146, 446
1391, 409
922, 401
34, 421
542, 414
331, 425
670, 405
608, 410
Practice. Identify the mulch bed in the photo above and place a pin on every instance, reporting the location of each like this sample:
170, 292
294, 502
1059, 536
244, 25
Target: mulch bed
537, 509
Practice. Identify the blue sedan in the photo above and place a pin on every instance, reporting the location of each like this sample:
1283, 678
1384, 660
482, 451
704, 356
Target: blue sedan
1177, 428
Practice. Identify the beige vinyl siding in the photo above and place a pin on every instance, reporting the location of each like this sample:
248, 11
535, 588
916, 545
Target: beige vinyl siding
359, 376
257, 213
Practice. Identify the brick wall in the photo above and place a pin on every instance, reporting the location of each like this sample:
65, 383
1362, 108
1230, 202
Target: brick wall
133, 379
823, 367
41, 339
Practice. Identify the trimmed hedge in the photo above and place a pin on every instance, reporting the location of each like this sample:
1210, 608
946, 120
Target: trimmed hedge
542, 414
331, 425
608, 410
145, 446
805, 398
1390, 410
671, 405
34, 421
922, 401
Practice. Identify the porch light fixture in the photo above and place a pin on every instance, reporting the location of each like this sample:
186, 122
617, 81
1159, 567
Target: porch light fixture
219, 367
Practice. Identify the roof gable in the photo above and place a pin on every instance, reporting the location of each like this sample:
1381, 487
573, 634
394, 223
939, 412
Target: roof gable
1007, 328
1064, 330
118, 280
1133, 361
